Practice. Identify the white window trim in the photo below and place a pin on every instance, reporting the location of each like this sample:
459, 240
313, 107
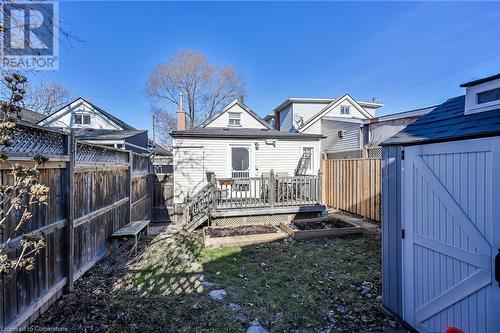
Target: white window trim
313, 158
229, 118
82, 114
471, 105
348, 109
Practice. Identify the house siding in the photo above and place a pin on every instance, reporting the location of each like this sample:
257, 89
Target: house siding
350, 140
286, 119
194, 157
247, 120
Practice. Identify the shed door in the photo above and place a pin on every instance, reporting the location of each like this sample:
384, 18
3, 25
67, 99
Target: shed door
449, 205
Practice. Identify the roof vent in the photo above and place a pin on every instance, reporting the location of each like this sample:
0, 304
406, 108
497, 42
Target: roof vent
482, 95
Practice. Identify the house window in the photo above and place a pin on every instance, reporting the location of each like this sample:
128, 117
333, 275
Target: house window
307, 159
234, 119
82, 119
340, 134
240, 162
488, 96
344, 109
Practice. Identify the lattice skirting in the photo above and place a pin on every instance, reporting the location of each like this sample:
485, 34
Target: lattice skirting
261, 219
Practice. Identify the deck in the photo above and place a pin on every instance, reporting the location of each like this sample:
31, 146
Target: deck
250, 196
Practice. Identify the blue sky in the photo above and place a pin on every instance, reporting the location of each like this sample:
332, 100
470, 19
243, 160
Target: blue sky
406, 54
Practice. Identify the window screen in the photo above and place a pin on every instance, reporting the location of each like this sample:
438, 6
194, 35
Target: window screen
86, 119
240, 159
488, 96
78, 119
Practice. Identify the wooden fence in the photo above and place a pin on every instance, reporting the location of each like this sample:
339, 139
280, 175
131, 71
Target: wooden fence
353, 185
94, 191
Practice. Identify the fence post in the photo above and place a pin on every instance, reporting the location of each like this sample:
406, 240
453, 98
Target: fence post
129, 183
70, 206
272, 188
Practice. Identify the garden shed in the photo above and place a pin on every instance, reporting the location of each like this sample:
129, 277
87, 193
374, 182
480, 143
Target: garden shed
441, 215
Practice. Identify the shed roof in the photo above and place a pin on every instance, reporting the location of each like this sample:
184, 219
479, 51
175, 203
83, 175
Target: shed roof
243, 133
448, 122
479, 81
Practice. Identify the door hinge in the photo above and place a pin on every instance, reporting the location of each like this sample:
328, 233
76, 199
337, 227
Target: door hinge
402, 154
403, 233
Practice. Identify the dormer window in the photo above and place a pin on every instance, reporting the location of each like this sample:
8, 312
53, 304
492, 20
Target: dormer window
234, 119
488, 96
82, 119
482, 95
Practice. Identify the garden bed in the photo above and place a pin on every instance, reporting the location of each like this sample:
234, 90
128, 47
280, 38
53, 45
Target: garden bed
242, 235
319, 227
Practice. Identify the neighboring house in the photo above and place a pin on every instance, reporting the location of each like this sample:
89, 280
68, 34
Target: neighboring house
236, 143
94, 125
161, 158
441, 215
347, 124
28, 117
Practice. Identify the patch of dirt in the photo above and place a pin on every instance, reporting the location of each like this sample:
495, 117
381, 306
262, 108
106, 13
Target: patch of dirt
325, 224
240, 231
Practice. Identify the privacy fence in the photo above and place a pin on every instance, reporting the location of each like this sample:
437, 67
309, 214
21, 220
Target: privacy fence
354, 184
94, 191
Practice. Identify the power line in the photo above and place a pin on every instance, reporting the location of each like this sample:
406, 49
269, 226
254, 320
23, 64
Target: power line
440, 77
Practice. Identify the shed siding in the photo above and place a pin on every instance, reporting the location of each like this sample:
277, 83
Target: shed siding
194, 157
247, 120
350, 140
391, 230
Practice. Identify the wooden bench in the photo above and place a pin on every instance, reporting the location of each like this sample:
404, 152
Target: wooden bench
133, 229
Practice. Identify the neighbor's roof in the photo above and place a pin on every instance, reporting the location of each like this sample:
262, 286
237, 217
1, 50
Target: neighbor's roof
119, 122
479, 81
230, 105
290, 100
243, 133
447, 122
28, 116
406, 114
105, 134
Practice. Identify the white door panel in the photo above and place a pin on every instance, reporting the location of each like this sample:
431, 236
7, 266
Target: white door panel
449, 244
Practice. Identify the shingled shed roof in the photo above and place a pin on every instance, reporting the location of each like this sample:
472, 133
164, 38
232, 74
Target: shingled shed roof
448, 122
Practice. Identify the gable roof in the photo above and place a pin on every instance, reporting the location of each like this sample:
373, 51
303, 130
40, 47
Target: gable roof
448, 122
332, 105
229, 106
113, 119
28, 116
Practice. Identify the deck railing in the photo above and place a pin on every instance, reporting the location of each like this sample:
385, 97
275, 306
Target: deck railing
254, 192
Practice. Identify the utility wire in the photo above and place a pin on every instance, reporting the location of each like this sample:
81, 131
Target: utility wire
440, 77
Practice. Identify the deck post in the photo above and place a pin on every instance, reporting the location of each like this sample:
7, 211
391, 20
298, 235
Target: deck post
272, 188
319, 187
214, 191
129, 184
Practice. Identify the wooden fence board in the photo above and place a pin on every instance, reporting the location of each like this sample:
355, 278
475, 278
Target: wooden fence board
90, 185
353, 185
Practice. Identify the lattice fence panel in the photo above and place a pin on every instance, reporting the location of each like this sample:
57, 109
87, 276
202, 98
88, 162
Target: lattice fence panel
36, 141
87, 153
375, 152
140, 163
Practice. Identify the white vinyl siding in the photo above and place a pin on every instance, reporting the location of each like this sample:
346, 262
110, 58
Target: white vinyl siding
191, 164
246, 119
351, 136
286, 119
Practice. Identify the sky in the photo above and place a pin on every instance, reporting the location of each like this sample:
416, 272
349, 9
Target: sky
405, 54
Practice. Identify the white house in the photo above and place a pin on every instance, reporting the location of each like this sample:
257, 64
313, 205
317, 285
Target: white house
348, 125
94, 125
237, 143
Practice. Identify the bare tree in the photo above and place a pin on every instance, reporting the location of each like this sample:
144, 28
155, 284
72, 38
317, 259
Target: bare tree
206, 87
47, 98
164, 123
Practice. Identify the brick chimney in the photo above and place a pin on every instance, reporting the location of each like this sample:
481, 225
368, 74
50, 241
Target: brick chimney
181, 116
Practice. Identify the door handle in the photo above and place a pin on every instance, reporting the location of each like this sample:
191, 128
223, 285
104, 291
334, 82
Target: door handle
497, 267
